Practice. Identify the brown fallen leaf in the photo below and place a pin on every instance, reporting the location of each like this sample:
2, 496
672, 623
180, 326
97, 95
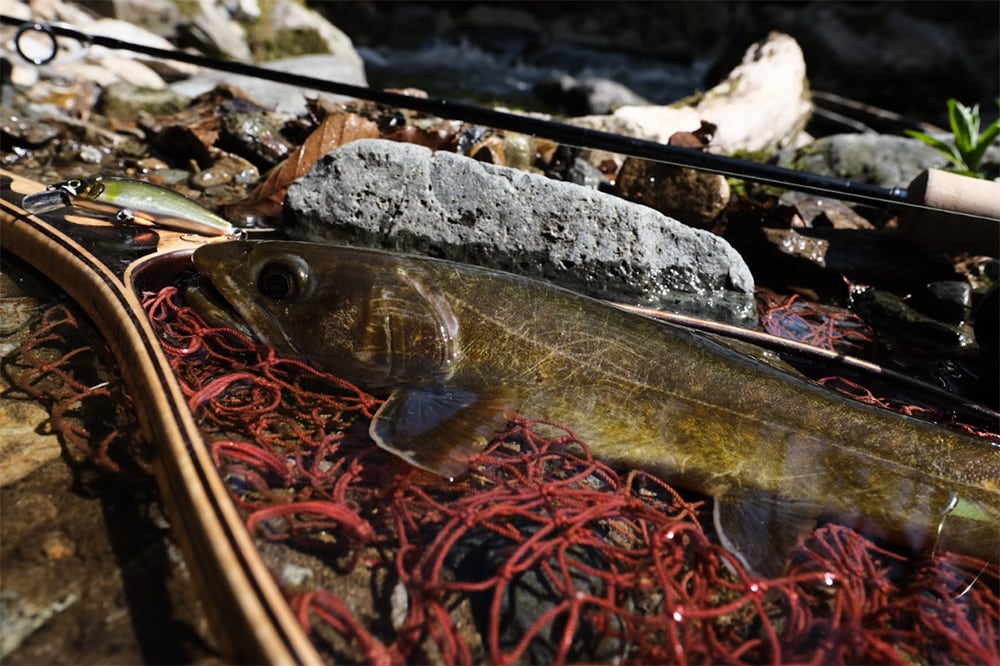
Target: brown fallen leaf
698, 139
191, 133
263, 204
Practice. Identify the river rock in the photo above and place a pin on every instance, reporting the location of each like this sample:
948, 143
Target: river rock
949, 301
762, 105
282, 97
587, 95
818, 260
215, 31
888, 313
291, 29
403, 197
880, 159
124, 100
157, 16
694, 197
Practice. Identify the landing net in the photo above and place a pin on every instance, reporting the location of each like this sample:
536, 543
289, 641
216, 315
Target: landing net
540, 555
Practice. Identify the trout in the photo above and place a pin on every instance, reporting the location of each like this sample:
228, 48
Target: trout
455, 350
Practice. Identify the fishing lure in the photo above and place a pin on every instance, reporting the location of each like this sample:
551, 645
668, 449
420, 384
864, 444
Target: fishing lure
133, 201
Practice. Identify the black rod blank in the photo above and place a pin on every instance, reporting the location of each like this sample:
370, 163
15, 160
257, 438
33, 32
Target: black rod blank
548, 129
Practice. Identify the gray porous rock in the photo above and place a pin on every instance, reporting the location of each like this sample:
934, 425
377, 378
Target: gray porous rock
403, 197
884, 160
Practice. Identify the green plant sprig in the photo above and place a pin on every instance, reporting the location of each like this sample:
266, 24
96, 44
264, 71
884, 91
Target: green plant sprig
970, 144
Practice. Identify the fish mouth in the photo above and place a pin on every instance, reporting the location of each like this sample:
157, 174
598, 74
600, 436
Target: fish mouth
223, 301
202, 297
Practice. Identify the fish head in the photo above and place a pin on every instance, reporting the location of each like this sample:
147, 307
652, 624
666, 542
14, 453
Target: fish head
88, 188
370, 317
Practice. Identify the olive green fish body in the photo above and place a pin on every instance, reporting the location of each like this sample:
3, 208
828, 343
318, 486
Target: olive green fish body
457, 349
146, 202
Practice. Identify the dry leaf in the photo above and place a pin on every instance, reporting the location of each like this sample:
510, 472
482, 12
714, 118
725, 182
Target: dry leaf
192, 132
265, 202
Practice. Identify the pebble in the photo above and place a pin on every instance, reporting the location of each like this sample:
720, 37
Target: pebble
256, 136
879, 159
820, 259
57, 546
21, 129
694, 197
888, 312
124, 100
91, 155
210, 178
567, 164
946, 300
226, 169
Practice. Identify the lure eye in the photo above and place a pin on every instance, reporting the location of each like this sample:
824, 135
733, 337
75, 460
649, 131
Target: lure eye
283, 279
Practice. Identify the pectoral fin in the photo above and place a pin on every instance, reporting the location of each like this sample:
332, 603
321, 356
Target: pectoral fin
438, 428
761, 529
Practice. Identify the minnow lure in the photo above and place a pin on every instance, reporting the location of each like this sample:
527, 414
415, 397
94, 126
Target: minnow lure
133, 201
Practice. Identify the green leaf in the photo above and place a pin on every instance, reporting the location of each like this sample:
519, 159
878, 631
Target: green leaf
960, 121
950, 151
986, 139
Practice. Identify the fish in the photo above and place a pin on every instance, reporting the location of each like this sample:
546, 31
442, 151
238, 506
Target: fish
455, 350
133, 201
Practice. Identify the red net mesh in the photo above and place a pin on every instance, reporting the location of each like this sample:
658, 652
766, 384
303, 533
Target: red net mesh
794, 318
58, 364
541, 553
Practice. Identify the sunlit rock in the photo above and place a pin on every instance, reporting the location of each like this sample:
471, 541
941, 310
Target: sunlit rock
404, 197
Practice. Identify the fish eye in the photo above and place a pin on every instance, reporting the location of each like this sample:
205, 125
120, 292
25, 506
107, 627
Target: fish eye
283, 279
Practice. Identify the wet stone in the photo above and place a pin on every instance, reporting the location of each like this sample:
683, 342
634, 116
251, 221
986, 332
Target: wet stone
225, 170
210, 178
887, 312
256, 136
694, 197
24, 130
124, 100
567, 164
947, 300
820, 259
58, 546
91, 155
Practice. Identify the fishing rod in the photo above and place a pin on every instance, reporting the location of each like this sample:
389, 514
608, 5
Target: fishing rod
559, 132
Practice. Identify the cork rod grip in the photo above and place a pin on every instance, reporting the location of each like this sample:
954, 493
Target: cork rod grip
961, 214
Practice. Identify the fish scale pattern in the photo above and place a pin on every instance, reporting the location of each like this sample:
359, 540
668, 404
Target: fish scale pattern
539, 554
